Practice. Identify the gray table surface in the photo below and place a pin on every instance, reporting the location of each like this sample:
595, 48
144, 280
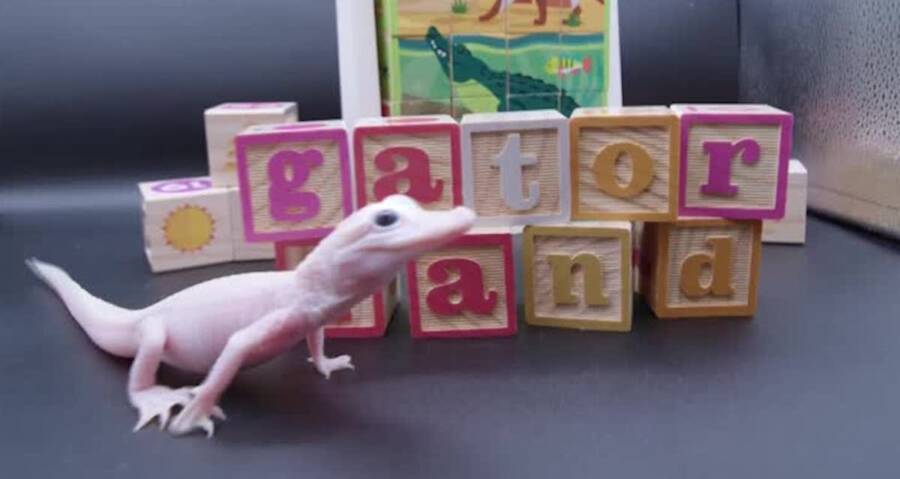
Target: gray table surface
807, 388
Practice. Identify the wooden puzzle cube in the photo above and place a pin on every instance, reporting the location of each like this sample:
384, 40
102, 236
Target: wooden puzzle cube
734, 161
413, 155
578, 275
515, 167
701, 267
791, 228
624, 163
187, 222
294, 179
368, 319
244, 250
225, 121
465, 289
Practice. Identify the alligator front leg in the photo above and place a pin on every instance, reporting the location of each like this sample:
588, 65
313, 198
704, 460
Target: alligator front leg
315, 342
152, 400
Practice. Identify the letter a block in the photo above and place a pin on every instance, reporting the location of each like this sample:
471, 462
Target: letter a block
465, 289
413, 155
578, 276
734, 161
624, 163
701, 267
515, 167
294, 179
368, 319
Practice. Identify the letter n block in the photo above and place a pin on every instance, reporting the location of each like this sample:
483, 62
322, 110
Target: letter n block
624, 163
294, 179
579, 275
734, 161
465, 289
515, 167
413, 155
701, 267
368, 319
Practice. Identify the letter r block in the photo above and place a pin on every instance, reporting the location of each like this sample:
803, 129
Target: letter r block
294, 179
579, 275
701, 267
734, 161
465, 289
624, 163
417, 156
515, 167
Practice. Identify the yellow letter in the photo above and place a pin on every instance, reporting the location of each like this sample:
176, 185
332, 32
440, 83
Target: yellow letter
563, 267
719, 261
605, 170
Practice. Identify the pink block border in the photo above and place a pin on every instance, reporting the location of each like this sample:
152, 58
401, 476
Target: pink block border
472, 240
786, 121
413, 128
338, 135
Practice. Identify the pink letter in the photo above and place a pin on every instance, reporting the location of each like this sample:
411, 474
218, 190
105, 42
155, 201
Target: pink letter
468, 287
718, 182
417, 173
286, 203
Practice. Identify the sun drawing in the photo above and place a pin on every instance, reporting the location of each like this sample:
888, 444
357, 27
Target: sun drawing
189, 228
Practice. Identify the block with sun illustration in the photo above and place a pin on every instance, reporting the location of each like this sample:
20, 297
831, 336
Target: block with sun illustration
225, 121
187, 223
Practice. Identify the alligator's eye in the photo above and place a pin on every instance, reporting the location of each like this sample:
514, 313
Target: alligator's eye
385, 218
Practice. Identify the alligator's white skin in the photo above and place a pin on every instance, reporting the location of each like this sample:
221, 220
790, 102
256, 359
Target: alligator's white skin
222, 325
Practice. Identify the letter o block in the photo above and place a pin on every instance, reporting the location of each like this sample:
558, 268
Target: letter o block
417, 156
701, 267
734, 161
624, 163
515, 167
578, 276
465, 289
294, 179
367, 319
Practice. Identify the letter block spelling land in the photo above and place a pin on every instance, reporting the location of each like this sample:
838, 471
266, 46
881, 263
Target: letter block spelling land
734, 161
701, 267
465, 289
515, 167
294, 179
579, 275
368, 319
624, 163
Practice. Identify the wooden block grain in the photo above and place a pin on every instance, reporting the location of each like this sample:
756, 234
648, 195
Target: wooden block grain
244, 250
792, 228
701, 267
578, 275
465, 289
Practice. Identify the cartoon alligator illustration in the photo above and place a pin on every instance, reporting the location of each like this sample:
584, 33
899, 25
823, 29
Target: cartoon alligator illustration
540, 95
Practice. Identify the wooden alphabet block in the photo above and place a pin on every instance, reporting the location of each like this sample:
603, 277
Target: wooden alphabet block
734, 161
187, 223
466, 289
515, 167
624, 163
294, 179
225, 121
244, 250
791, 228
413, 155
368, 319
701, 267
578, 275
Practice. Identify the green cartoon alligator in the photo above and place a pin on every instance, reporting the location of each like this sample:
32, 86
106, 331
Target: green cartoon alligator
525, 92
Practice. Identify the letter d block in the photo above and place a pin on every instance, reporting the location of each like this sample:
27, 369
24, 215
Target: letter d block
516, 168
417, 156
465, 289
701, 267
578, 276
294, 179
624, 163
734, 161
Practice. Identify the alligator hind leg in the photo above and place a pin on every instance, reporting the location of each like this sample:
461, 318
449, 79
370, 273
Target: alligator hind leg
151, 400
542, 12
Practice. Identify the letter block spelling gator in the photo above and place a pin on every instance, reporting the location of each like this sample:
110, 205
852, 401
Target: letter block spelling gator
579, 275
294, 179
465, 289
734, 161
516, 167
701, 267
